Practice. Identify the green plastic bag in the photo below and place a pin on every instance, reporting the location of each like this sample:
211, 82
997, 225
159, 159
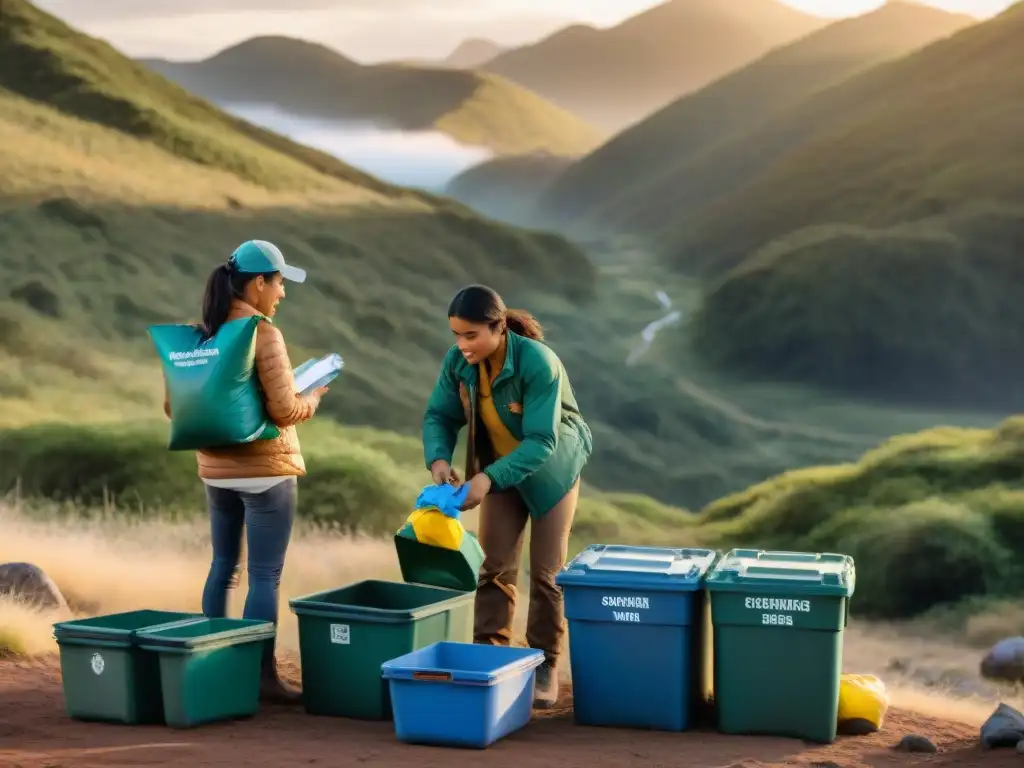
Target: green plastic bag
212, 386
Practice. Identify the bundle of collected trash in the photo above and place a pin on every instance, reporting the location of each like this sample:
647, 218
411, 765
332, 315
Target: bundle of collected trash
433, 545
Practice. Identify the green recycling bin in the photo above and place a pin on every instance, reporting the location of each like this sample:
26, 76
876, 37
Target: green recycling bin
209, 668
778, 620
106, 676
346, 634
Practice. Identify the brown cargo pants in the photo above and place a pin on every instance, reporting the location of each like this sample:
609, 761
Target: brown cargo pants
503, 518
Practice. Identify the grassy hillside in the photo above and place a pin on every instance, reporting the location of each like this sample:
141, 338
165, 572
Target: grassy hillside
41, 58
633, 181
311, 80
108, 234
614, 77
910, 276
506, 188
925, 312
109, 229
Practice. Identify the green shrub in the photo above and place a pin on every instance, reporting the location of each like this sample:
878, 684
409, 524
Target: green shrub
923, 555
349, 486
359, 480
122, 465
358, 490
931, 518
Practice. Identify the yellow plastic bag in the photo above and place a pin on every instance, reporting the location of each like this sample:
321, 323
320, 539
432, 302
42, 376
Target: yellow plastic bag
431, 526
863, 702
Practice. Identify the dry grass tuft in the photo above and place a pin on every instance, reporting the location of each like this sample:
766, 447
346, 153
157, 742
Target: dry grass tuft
111, 565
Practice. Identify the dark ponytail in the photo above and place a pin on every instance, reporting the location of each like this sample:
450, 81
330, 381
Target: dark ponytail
480, 304
217, 300
223, 286
522, 322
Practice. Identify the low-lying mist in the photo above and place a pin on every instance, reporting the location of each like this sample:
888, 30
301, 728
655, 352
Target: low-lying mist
423, 159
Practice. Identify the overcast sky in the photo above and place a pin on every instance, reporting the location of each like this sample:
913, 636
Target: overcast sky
374, 30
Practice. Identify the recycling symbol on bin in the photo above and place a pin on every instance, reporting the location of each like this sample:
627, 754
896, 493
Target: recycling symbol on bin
97, 663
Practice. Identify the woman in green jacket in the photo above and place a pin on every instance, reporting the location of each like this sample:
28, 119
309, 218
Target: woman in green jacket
527, 445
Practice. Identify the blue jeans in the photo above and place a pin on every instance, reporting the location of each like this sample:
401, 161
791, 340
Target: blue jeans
267, 519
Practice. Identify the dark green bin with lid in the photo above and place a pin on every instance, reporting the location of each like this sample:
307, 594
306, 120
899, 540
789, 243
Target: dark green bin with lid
346, 634
779, 620
105, 675
209, 668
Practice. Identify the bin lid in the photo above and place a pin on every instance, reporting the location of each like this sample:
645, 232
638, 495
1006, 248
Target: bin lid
206, 632
437, 566
805, 573
120, 627
617, 565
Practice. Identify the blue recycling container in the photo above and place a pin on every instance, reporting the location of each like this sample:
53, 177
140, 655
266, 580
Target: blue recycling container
639, 635
460, 694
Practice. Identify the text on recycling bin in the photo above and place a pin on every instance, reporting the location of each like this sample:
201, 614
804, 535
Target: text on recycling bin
615, 601
777, 604
771, 607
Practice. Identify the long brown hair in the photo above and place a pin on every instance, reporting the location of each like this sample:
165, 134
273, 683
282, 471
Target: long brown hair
480, 304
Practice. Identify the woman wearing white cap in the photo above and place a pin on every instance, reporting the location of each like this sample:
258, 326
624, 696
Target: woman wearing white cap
252, 486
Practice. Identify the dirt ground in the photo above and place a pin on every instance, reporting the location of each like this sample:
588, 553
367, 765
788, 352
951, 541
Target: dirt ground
35, 732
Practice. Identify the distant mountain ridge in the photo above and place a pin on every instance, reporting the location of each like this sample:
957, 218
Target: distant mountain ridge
658, 170
616, 76
311, 80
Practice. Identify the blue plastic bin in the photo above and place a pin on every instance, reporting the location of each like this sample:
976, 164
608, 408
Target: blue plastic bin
639, 635
460, 694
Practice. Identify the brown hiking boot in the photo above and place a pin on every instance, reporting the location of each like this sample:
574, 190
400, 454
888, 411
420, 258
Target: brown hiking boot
545, 692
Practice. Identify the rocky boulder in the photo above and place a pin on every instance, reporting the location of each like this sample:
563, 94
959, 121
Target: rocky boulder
29, 584
1005, 661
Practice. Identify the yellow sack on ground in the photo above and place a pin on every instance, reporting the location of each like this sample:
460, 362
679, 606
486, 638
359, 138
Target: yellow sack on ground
863, 702
432, 526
